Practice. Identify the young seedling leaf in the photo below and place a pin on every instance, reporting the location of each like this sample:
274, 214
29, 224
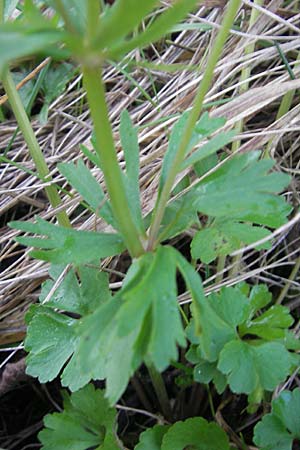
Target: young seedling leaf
250, 367
129, 141
65, 245
223, 237
196, 433
278, 430
81, 178
151, 439
87, 421
243, 189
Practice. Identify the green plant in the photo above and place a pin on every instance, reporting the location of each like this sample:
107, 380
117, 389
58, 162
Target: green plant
83, 331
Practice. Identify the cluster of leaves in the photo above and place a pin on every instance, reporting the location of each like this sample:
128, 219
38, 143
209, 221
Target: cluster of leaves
232, 333
88, 421
239, 335
81, 330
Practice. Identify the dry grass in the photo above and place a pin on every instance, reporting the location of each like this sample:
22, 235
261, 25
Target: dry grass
22, 194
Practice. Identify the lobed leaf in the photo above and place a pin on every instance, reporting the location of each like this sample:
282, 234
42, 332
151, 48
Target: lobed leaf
251, 367
80, 177
151, 439
197, 433
64, 245
129, 141
223, 237
242, 189
53, 338
87, 421
278, 430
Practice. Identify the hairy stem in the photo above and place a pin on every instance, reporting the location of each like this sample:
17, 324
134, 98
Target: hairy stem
162, 200
106, 151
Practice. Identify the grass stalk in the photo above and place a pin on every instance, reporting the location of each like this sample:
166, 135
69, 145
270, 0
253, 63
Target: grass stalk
288, 283
33, 145
216, 51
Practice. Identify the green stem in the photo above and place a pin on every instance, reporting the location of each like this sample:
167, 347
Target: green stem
162, 200
105, 148
161, 392
33, 145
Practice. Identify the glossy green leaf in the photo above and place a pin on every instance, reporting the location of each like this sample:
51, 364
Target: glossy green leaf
140, 323
197, 433
223, 237
151, 439
50, 341
87, 421
277, 430
243, 189
65, 245
249, 367
155, 30
81, 178
53, 338
129, 141
204, 372
70, 295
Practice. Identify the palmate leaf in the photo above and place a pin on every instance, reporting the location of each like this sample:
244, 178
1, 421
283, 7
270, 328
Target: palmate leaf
254, 367
224, 237
218, 350
278, 430
140, 323
243, 189
65, 245
53, 338
87, 421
